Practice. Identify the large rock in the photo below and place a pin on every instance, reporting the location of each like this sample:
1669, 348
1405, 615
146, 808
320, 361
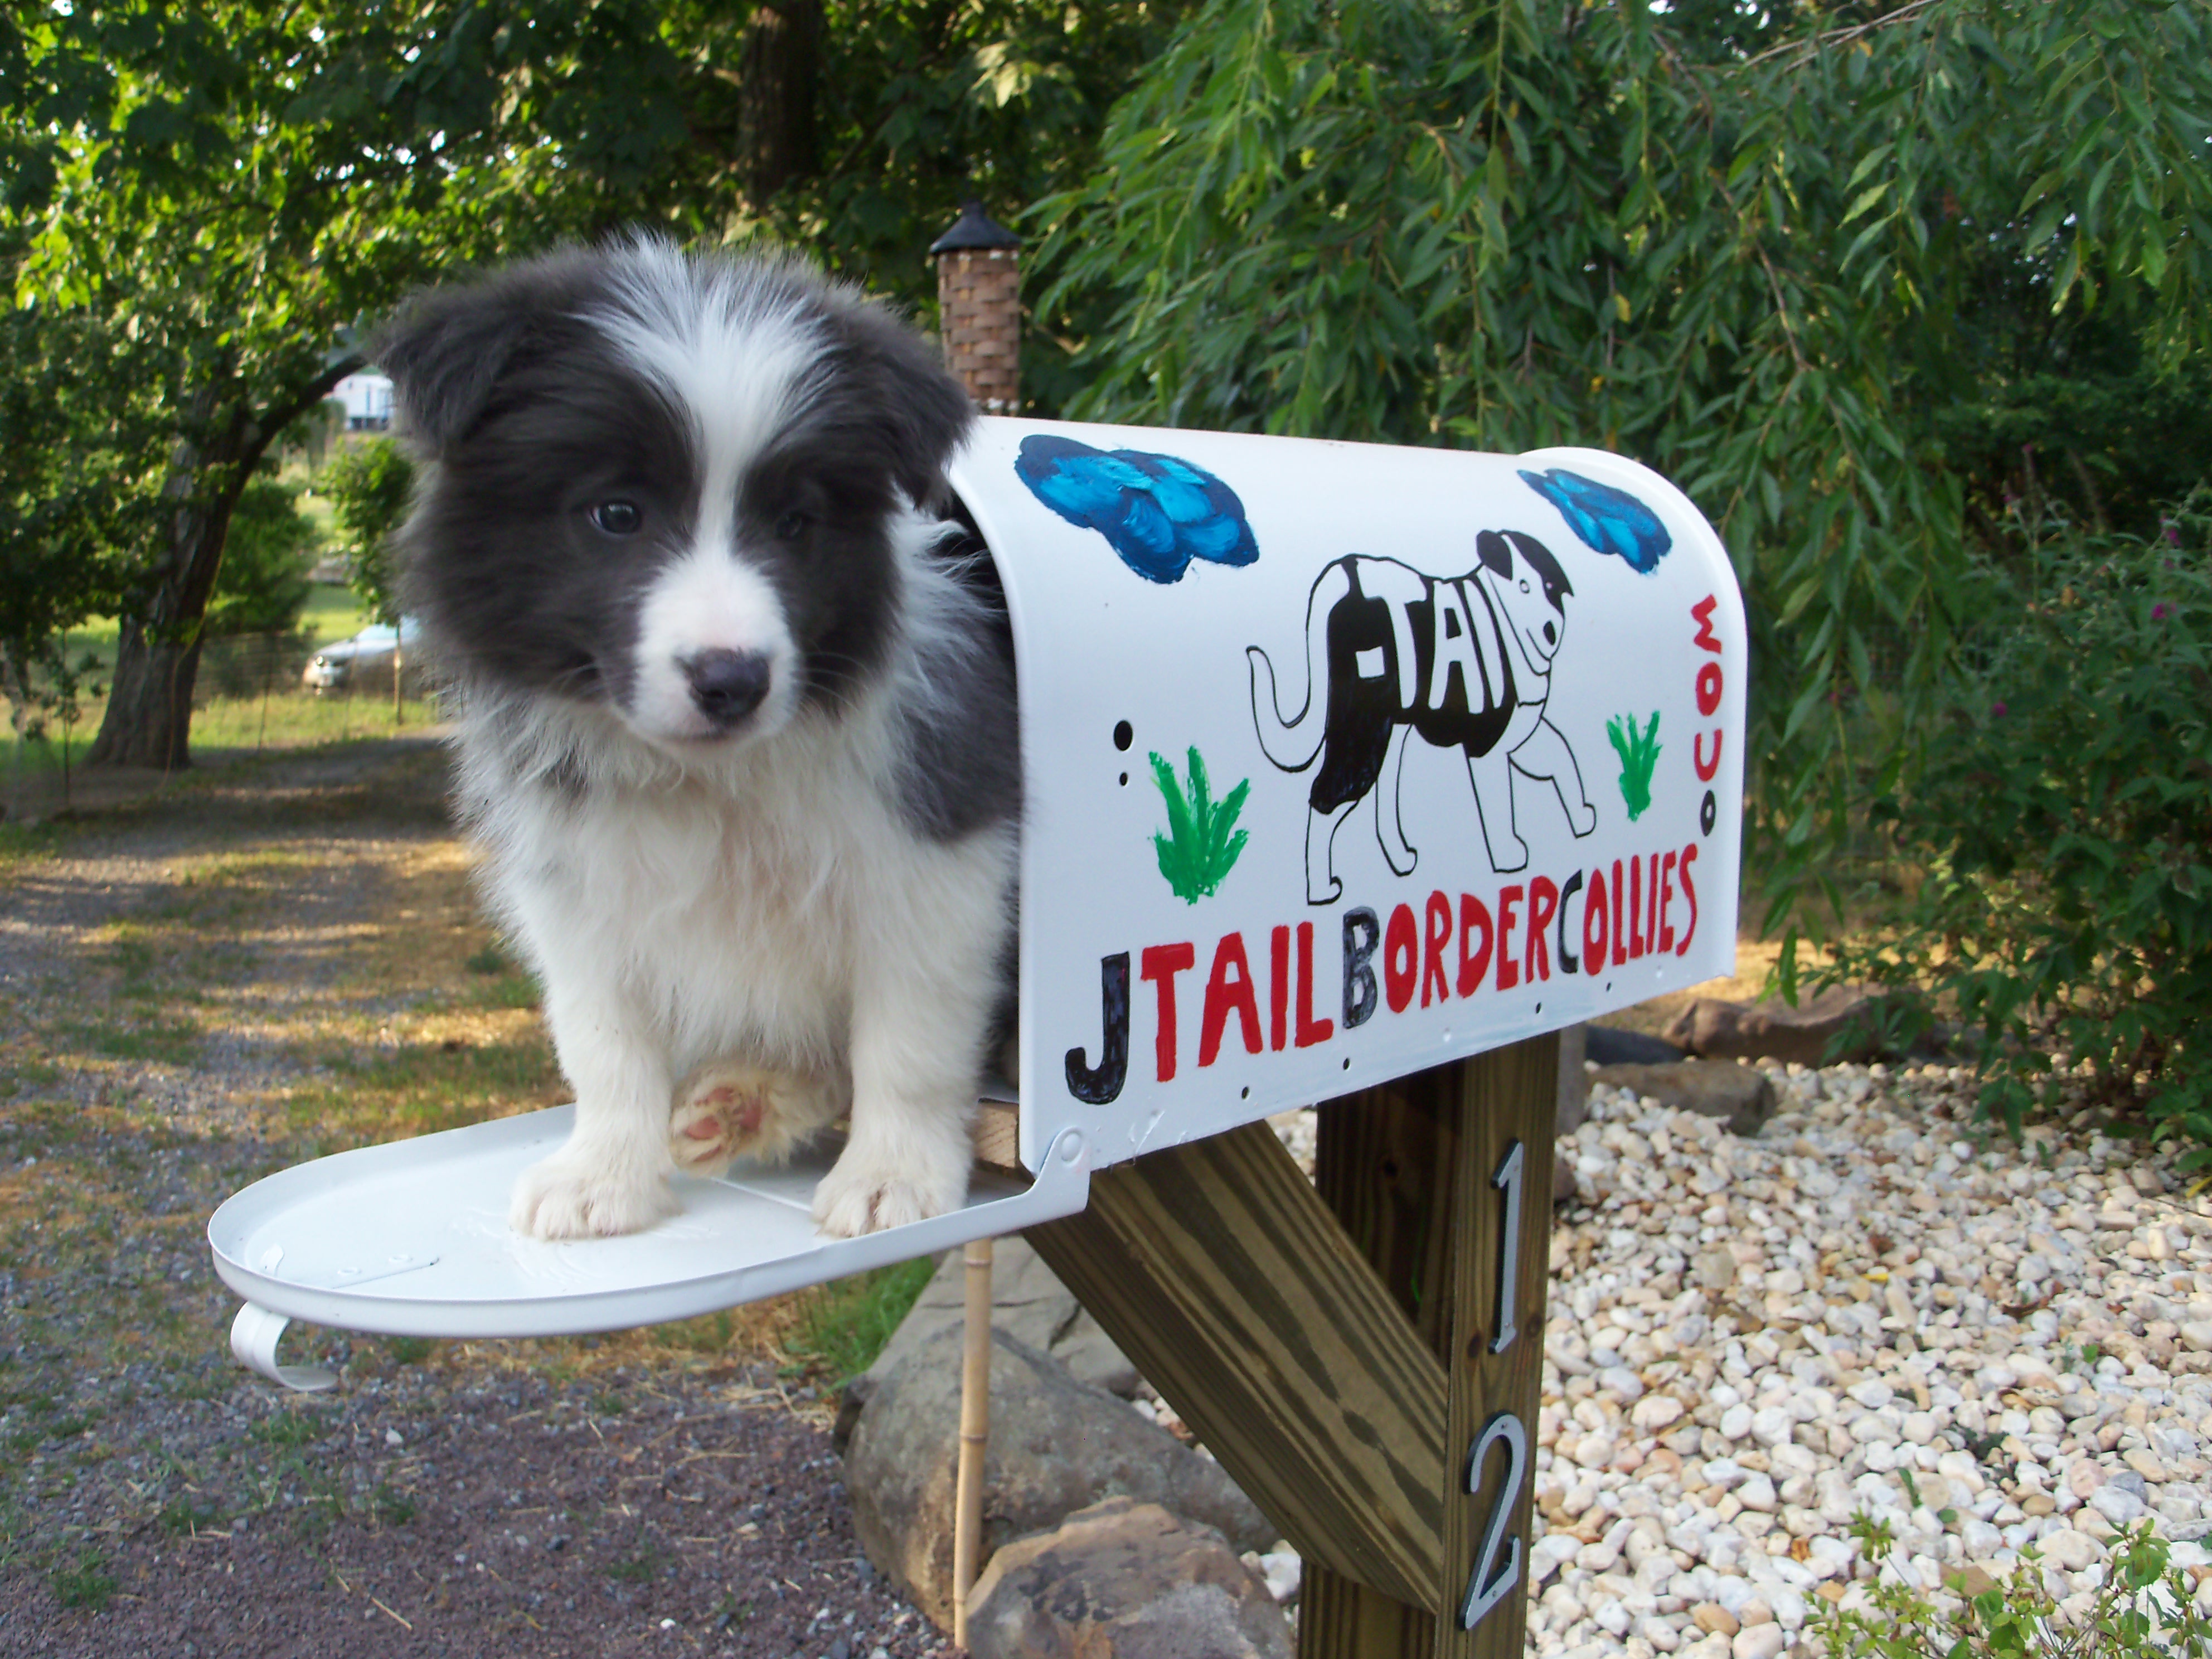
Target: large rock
1028, 1303
1615, 1045
1057, 1446
1123, 1580
1740, 1097
1573, 1101
1773, 1029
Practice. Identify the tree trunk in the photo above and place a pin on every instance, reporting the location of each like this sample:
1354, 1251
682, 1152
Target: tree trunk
776, 84
149, 702
157, 657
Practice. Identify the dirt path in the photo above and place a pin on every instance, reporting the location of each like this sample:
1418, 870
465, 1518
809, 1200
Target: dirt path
277, 960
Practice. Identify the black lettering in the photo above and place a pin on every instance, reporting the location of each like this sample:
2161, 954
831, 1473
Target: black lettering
1567, 963
1363, 933
1102, 1084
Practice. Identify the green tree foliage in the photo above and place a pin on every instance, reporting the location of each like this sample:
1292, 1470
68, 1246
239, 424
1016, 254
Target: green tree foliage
368, 484
264, 584
1773, 269
236, 187
854, 129
2058, 838
227, 187
78, 443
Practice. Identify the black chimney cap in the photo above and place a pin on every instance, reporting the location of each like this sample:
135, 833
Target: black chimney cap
974, 229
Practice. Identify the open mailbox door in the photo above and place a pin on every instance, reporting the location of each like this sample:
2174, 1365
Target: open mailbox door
1341, 762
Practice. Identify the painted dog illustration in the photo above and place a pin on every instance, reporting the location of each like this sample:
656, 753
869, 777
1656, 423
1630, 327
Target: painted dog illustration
1465, 660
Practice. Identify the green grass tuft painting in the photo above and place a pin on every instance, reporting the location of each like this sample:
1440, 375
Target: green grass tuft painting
1639, 756
1202, 841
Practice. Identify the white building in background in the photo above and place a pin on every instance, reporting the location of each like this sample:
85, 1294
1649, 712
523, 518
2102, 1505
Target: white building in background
368, 399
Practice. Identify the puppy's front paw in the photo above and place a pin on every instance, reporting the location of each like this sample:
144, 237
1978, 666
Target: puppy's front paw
727, 1110
865, 1194
566, 1197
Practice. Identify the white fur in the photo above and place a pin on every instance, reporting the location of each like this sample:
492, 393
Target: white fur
764, 901
704, 600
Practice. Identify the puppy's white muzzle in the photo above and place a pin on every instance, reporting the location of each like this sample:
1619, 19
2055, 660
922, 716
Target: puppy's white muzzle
714, 655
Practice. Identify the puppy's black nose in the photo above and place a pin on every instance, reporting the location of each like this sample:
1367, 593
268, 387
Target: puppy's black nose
727, 686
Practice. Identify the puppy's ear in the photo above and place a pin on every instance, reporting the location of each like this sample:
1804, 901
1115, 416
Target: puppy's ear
917, 413
1495, 552
446, 349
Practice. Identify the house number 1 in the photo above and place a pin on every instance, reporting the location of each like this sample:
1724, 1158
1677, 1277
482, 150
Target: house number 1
1493, 1578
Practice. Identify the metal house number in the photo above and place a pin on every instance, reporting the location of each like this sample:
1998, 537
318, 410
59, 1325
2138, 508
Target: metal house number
1493, 1578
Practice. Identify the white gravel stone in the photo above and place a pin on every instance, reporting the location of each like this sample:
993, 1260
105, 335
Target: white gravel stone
1752, 1342
2070, 1551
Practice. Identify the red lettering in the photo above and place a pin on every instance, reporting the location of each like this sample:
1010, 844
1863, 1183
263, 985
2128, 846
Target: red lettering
1706, 767
1666, 903
1619, 921
1310, 1030
1160, 963
1222, 994
1402, 942
1509, 971
1436, 934
1709, 687
1472, 914
1543, 905
1702, 610
1279, 988
1635, 908
1595, 924
1690, 892
1652, 921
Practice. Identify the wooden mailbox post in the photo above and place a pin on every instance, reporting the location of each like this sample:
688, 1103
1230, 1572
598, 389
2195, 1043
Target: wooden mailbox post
1343, 1345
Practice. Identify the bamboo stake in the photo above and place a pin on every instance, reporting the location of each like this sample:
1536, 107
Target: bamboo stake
975, 1435
979, 296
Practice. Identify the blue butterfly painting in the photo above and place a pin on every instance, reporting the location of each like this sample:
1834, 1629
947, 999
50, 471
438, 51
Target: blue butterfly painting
1611, 520
1158, 513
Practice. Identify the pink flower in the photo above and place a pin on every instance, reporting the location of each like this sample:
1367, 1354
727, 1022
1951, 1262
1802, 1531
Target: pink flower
2158, 612
1997, 709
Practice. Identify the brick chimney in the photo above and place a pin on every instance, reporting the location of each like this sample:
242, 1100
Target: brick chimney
979, 307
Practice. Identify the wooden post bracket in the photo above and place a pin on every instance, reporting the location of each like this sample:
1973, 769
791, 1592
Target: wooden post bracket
1344, 1347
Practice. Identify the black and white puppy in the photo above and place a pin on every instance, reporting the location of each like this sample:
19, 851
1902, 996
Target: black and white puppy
737, 721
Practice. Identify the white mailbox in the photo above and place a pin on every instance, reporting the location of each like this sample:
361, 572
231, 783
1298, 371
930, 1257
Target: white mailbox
1344, 761
1341, 762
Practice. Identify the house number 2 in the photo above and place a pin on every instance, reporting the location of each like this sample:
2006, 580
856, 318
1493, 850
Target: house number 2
1499, 1561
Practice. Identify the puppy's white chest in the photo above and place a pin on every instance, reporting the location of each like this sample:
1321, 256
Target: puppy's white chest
728, 927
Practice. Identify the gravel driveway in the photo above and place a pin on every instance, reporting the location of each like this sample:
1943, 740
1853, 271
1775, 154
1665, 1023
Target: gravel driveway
272, 960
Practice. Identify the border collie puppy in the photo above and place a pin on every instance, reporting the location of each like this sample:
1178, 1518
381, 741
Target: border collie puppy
737, 720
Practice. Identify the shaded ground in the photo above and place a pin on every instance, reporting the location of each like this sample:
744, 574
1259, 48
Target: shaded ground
276, 960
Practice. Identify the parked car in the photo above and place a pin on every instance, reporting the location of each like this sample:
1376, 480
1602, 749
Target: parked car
363, 663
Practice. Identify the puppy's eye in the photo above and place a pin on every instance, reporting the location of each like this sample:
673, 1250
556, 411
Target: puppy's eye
791, 526
618, 518
1524, 584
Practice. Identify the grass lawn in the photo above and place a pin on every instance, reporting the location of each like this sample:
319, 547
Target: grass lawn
283, 716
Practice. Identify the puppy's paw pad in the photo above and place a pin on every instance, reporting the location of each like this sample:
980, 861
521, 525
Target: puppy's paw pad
718, 1117
561, 1200
727, 1110
867, 1200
